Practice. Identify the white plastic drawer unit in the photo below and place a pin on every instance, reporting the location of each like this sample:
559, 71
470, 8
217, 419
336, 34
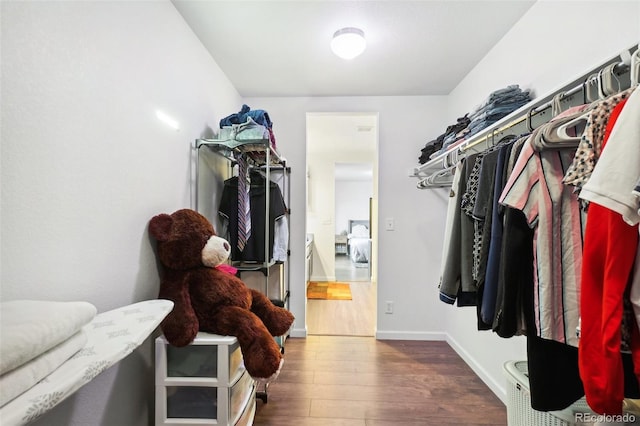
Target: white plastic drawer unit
204, 383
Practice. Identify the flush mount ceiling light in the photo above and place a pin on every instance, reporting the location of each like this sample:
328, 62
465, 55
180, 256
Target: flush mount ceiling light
348, 42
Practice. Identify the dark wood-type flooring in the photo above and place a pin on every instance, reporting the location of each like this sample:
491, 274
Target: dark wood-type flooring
361, 381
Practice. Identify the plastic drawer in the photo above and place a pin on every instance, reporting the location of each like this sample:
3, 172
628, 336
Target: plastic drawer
217, 358
182, 405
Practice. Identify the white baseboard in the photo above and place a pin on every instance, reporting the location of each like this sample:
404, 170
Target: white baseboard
410, 335
298, 332
498, 389
319, 278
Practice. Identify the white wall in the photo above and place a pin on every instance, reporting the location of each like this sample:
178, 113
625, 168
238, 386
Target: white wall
321, 215
86, 164
553, 43
352, 202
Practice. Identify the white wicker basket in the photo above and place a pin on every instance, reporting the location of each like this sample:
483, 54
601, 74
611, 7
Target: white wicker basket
520, 413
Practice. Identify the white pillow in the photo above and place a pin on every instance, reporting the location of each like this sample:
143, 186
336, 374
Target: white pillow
29, 328
360, 231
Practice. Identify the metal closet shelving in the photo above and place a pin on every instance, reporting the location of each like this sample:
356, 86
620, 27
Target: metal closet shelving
262, 156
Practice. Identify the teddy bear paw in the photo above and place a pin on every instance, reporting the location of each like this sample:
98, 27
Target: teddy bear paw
265, 380
280, 322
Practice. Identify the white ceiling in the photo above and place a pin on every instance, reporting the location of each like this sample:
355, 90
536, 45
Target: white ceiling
281, 48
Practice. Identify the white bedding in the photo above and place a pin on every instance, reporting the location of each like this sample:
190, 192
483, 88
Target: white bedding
359, 244
29, 328
28, 374
111, 336
359, 249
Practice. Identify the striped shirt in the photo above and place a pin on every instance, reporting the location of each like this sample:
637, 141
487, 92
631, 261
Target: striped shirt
552, 209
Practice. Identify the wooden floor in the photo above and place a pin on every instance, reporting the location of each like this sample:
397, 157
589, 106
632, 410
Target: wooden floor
356, 317
360, 381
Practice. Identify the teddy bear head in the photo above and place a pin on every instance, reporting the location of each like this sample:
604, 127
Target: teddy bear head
186, 240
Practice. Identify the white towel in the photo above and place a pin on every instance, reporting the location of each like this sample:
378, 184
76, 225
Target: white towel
29, 328
18, 380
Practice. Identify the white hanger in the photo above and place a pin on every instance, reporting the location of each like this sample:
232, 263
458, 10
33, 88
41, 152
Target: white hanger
556, 104
635, 67
556, 132
561, 131
591, 86
439, 179
606, 77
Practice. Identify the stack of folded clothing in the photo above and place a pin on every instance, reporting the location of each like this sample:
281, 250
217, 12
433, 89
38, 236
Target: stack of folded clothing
37, 337
247, 124
429, 148
456, 132
499, 104
452, 134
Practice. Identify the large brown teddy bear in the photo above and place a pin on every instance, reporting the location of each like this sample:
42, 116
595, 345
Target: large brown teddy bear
208, 298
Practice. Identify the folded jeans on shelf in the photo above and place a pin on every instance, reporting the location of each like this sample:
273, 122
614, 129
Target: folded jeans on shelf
258, 115
500, 107
249, 130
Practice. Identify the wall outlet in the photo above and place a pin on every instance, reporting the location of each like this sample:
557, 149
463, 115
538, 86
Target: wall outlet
388, 307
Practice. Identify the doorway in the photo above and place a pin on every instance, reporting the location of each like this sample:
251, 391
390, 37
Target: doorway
342, 221
353, 183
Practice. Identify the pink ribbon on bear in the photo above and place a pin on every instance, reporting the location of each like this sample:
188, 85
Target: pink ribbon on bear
227, 268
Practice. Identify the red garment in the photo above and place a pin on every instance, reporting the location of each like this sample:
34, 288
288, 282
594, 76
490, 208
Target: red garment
608, 255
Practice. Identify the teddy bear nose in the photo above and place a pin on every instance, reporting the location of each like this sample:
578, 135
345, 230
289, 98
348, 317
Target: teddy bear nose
226, 246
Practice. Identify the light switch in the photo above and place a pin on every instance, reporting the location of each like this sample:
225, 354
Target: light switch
389, 224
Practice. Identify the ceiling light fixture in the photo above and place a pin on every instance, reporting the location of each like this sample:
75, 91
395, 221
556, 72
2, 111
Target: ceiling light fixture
348, 42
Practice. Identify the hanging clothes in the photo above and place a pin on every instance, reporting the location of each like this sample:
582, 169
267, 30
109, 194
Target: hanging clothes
456, 281
482, 215
552, 210
526, 252
554, 379
617, 172
515, 272
609, 254
590, 146
494, 240
254, 250
244, 205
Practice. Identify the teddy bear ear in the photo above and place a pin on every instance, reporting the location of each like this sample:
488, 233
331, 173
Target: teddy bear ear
160, 226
